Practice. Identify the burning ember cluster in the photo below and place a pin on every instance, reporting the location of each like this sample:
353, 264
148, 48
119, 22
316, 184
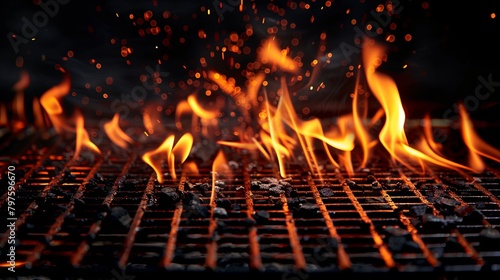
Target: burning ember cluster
267, 127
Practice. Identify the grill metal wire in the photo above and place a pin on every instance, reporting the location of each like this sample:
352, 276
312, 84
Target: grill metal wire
107, 217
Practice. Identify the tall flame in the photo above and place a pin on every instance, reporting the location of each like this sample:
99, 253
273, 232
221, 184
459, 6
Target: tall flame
116, 134
392, 136
362, 134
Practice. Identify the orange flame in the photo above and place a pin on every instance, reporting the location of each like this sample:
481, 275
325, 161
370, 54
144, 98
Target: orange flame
180, 152
219, 167
167, 151
226, 85
427, 124
208, 118
477, 146
271, 53
40, 117
274, 142
199, 110
116, 134
362, 134
154, 158
3, 115
190, 168
181, 109
82, 138
50, 101
346, 127
22, 83
253, 88
392, 136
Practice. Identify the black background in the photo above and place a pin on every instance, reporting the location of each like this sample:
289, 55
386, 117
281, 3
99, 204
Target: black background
453, 44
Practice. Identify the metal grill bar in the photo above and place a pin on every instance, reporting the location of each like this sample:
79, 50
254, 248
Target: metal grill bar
410, 227
176, 220
129, 241
469, 249
261, 231
94, 229
384, 251
211, 259
39, 163
56, 226
255, 260
344, 261
42, 195
300, 262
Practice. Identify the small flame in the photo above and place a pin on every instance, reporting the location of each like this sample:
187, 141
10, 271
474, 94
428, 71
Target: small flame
22, 83
208, 118
190, 168
427, 124
82, 138
116, 134
50, 101
40, 117
199, 110
180, 152
148, 123
477, 146
219, 167
155, 158
253, 88
271, 53
177, 153
226, 85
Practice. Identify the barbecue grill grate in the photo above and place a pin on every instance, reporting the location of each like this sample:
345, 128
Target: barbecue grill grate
107, 217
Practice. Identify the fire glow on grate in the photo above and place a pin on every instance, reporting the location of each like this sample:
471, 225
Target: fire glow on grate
272, 191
